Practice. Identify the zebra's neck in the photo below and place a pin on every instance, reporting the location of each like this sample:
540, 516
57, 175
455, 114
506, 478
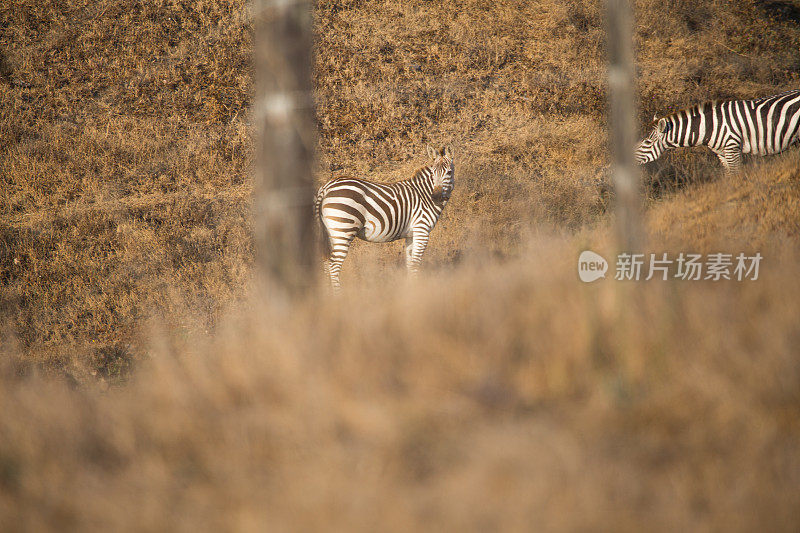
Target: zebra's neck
692, 126
423, 178
423, 184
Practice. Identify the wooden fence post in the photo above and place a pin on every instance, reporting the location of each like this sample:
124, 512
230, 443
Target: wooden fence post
285, 126
621, 72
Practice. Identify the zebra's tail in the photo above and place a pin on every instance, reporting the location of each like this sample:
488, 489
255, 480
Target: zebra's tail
326, 247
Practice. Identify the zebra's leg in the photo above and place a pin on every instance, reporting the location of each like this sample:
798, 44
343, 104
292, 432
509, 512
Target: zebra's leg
415, 247
340, 244
731, 158
326, 269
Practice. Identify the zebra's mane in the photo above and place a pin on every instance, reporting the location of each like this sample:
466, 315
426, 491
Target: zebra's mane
420, 171
423, 168
695, 109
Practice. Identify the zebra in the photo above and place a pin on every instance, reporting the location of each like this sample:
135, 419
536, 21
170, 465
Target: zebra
383, 212
764, 126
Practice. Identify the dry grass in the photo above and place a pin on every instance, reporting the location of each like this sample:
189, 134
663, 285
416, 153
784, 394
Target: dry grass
142, 390
757, 208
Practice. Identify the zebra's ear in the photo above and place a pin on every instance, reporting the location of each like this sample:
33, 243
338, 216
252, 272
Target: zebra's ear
662, 125
432, 152
448, 151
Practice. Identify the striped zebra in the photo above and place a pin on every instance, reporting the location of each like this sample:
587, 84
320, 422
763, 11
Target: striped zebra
764, 126
378, 212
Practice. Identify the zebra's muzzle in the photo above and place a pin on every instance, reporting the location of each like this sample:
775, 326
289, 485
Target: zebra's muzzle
441, 195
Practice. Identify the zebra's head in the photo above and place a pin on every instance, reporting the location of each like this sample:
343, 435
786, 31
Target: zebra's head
443, 172
651, 147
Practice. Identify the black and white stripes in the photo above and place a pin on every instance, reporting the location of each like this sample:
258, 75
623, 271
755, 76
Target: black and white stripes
378, 212
764, 126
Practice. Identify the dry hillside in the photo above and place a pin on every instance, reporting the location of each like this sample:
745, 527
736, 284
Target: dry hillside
141, 389
125, 140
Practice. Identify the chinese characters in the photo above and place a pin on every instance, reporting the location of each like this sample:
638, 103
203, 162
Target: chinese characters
687, 266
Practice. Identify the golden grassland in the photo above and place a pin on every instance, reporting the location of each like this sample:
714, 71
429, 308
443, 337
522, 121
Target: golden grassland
143, 389
125, 189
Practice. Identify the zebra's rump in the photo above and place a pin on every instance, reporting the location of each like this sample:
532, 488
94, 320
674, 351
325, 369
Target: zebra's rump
768, 125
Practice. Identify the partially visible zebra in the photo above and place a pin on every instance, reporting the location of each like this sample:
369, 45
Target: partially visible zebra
764, 126
384, 212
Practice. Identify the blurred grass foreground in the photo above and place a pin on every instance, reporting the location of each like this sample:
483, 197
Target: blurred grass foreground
485, 397
143, 388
